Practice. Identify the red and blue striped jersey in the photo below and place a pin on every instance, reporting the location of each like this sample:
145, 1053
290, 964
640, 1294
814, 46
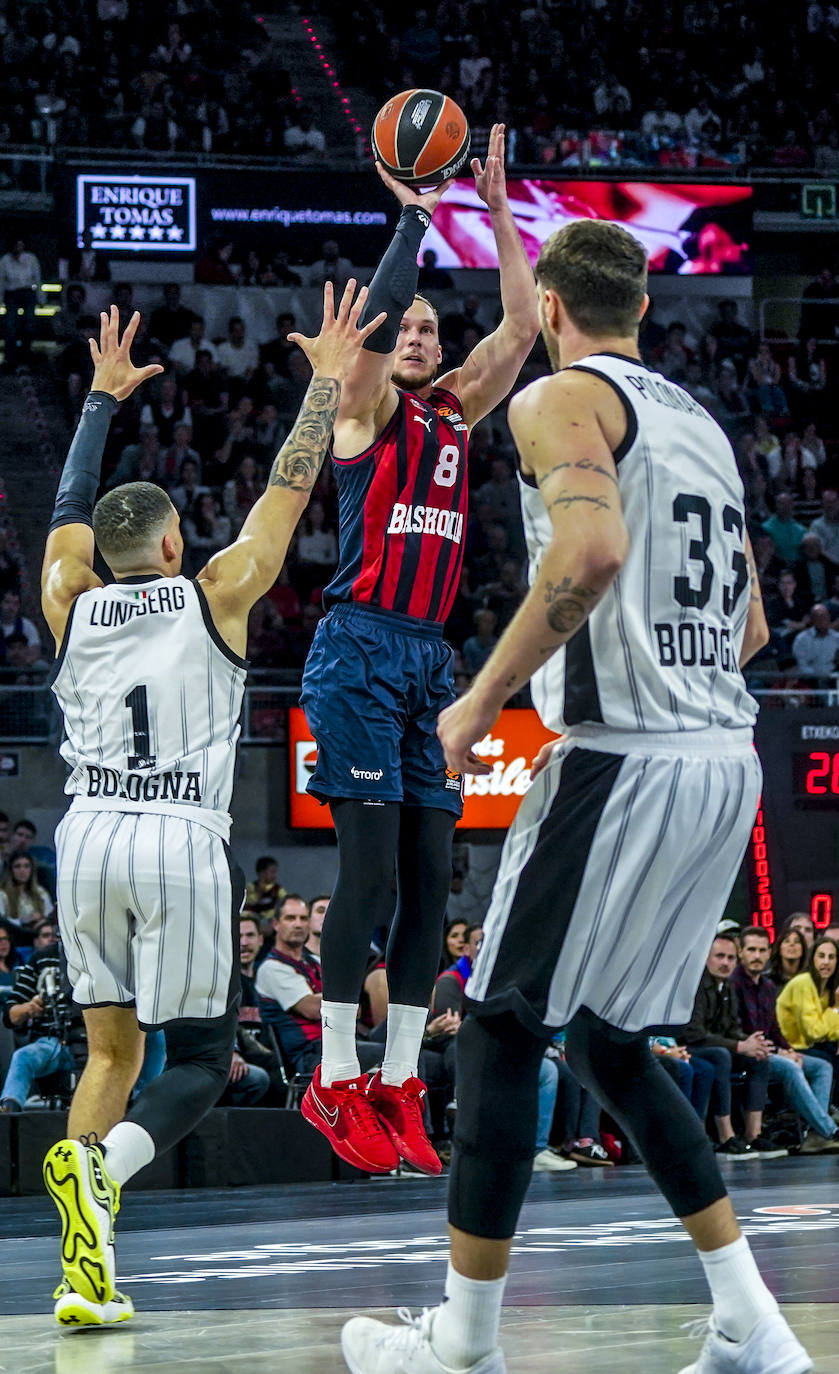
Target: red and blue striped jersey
402, 512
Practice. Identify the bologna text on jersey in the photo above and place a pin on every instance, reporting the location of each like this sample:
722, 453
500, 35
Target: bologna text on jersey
151, 697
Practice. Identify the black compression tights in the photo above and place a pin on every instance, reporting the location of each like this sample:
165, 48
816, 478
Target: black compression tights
497, 1077
197, 1065
372, 841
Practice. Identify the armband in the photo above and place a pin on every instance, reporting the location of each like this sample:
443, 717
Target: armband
394, 283
83, 468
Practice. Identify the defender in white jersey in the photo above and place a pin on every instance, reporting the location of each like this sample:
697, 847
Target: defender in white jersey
643, 606
149, 674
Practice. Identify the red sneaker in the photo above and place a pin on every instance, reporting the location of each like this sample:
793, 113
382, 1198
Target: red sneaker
344, 1115
400, 1111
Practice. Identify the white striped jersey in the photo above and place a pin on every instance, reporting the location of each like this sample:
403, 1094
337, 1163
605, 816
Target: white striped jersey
661, 651
151, 697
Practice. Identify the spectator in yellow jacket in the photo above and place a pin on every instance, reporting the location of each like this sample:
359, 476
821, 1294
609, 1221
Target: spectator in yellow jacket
808, 1006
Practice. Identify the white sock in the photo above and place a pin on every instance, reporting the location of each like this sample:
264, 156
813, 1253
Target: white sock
740, 1296
128, 1148
466, 1323
405, 1029
340, 1058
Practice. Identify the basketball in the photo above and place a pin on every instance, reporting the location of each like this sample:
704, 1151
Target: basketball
421, 137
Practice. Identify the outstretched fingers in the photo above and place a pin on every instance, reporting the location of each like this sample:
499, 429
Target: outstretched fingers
358, 306
346, 301
372, 326
130, 330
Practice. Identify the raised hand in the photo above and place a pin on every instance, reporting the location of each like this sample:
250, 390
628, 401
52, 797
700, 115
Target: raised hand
113, 370
333, 352
490, 181
406, 195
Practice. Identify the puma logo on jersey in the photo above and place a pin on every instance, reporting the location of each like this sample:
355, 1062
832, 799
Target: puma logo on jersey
425, 420
426, 520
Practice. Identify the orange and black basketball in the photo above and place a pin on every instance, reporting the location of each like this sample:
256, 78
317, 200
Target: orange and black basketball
421, 137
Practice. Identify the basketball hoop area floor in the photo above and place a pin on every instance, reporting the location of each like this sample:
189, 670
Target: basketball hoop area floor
262, 1279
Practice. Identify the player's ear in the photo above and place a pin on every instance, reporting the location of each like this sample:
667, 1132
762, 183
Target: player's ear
645, 305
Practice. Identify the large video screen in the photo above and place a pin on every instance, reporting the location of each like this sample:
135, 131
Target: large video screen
692, 230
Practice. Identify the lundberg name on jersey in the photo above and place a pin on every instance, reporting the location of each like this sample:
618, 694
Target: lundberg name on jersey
660, 652
151, 697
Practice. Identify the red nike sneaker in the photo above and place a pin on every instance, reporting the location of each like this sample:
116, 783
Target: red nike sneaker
400, 1111
344, 1115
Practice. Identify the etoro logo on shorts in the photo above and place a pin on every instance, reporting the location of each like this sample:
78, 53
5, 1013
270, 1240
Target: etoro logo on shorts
368, 775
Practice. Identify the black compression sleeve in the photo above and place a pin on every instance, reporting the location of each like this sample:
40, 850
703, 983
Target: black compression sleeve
394, 284
83, 468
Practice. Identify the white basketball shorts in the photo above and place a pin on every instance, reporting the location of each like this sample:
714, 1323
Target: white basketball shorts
147, 906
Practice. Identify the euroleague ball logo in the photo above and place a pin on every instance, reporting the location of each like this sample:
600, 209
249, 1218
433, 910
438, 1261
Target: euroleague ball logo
453, 129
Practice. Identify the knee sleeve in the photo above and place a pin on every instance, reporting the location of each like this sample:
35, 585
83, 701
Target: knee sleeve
498, 1064
620, 1069
197, 1065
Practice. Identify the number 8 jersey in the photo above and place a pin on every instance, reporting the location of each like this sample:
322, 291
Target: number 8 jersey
660, 652
402, 511
151, 697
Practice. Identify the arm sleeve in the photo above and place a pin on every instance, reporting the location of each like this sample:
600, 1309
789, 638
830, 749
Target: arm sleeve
394, 283
83, 468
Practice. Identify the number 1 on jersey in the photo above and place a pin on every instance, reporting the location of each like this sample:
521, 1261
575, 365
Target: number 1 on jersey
137, 702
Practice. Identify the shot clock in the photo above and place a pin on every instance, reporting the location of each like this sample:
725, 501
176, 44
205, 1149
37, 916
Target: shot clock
792, 863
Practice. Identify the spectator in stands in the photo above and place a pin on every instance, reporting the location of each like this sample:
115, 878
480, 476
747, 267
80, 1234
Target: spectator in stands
184, 351
208, 399
808, 1006
454, 325
816, 649
241, 493
24, 840
813, 572
142, 462
205, 533
251, 952
27, 902
698, 386
763, 385
66, 322
263, 894
473, 66
238, 356
180, 451
785, 530
480, 645
44, 934
730, 407
506, 593
768, 564
284, 275
317, 546
88, 263
813, 451
693, 1076
703, 127
302, 139
431, 277
661, 125
171, 320
673, 356
827, 526
276, 352
9, 567
20, 282
10, 958
166, 410
733, 338
786, 612
713, 1033
289, 985
75, 366
819, 321
330, 266
802, 921
12, 621
806, 1081
57, 1041
266, 433
318, 908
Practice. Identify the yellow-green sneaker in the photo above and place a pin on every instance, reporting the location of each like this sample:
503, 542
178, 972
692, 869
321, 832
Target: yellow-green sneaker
71, 1309
87, 1199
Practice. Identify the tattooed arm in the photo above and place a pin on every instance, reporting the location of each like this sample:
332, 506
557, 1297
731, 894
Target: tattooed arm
757, 629
558, 425
235, 579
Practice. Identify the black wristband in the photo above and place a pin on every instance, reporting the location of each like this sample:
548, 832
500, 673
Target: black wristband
394, 284
82, 471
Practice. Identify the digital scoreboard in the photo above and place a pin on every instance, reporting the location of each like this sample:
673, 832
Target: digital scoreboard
793, 861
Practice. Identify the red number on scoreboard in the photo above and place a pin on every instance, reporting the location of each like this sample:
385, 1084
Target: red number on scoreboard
821, 908
818, 775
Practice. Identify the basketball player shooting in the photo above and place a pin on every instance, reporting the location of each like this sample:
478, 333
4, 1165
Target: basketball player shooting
379, 671
150, 673
644, 605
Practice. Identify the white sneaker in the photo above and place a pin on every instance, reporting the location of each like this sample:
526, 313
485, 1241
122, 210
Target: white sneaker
772, 1348
71, 1309
549, 1161
372, 1347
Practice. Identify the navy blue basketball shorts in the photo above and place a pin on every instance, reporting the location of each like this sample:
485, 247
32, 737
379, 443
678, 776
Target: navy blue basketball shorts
374, 684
